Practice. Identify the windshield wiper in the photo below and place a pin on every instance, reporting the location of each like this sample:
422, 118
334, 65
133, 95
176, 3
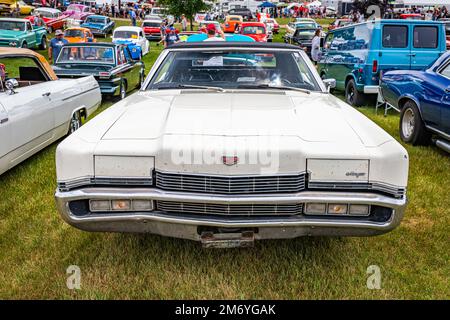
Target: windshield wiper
268, 86
189, 86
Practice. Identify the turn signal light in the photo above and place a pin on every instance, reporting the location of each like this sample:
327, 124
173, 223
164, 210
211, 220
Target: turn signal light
121, 205
337, 208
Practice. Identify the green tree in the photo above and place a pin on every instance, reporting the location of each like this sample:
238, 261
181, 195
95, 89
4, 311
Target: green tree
187, 7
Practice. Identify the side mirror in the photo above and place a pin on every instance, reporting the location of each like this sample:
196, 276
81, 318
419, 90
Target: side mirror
329, 84
10, 84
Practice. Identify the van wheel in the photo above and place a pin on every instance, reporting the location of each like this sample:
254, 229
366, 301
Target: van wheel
412, 128
353, 96
24, 45
43, 44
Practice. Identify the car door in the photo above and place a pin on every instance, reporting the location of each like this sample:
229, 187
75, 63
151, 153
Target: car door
5, 141
29, 109
30, 35
425, 45
444, 106
395, 47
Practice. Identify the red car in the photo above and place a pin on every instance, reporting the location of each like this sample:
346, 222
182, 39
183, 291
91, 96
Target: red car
411, 16
255, 30
54, 19
152, 29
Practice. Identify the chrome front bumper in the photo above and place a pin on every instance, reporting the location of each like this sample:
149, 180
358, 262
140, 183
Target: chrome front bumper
187, 226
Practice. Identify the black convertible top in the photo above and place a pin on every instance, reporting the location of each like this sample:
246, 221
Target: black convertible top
227, 44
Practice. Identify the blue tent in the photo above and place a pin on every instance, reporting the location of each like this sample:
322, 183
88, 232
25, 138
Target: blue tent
267, 4
231, 38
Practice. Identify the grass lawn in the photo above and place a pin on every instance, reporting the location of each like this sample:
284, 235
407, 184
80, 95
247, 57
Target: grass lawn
36, 247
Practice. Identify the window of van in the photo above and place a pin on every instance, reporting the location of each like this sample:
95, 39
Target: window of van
395, 36
425, 37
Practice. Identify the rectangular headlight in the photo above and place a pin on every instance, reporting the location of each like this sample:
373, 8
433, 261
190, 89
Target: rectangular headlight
99, 205
359, 209
316, 208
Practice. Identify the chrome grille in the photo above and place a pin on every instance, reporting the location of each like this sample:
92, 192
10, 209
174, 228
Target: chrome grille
230, 209
103, 181
230, 185
359, 186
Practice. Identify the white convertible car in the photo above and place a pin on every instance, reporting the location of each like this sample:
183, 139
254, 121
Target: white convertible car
36, 108
231, 142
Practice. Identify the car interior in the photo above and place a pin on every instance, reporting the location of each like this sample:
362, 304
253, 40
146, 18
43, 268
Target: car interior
25, 70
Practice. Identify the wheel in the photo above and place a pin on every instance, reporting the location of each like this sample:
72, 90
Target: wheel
141, 80
412, 128
123, 90
75, 122
353, 96
24, 45
43, 44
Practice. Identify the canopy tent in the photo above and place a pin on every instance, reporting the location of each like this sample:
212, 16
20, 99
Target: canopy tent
295, 4
314, 4
267, 4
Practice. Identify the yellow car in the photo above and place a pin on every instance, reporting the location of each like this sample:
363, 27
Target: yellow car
25, 9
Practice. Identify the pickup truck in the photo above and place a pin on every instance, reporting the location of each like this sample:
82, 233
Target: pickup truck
20, 33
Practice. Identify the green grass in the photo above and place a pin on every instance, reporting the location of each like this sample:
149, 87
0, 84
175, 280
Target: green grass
36, 247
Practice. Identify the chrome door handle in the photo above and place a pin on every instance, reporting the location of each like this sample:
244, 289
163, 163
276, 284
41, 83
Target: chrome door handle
46, 94
4, 120
412, 54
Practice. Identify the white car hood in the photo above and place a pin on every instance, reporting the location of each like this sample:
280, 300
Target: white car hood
314, 118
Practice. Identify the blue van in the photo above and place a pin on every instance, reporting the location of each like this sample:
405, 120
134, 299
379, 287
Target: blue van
356, 55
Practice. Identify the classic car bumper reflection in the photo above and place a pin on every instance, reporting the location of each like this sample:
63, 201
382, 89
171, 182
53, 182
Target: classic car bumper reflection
189, 226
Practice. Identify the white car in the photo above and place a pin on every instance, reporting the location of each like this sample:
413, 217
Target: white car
135, 35
231, 142
36, 108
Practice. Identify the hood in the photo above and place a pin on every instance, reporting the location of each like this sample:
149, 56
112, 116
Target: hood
314, 118
10, 34
93, 25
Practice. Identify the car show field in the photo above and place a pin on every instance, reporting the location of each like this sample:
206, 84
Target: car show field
37, 246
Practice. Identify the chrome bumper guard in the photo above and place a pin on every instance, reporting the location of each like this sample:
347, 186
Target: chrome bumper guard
187, 226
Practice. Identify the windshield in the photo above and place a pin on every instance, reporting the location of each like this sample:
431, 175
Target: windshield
12, 25
303, 25
74, 33
306, 34
123, 34
45, 14
86, 54
95, 20
73, 8
254, 30
151, 24
232, 69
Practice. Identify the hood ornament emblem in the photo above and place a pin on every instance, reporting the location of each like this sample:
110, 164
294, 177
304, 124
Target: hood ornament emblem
230, 160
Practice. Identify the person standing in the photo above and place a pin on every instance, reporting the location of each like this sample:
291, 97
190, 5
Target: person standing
171, 37
56, 44
183, 22
133, 17
315, 47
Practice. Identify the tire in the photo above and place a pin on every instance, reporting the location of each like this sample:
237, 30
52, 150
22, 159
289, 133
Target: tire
141, 80
43, 44
24, 45
123, 90
411, 127
353, 96
75, 123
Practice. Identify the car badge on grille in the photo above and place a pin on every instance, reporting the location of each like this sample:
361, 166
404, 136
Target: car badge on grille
230, 160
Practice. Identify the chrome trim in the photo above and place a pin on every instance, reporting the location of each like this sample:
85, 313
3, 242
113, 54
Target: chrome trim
371, 89
221, 184
113, 181
395, 191
439, 132
185, 226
